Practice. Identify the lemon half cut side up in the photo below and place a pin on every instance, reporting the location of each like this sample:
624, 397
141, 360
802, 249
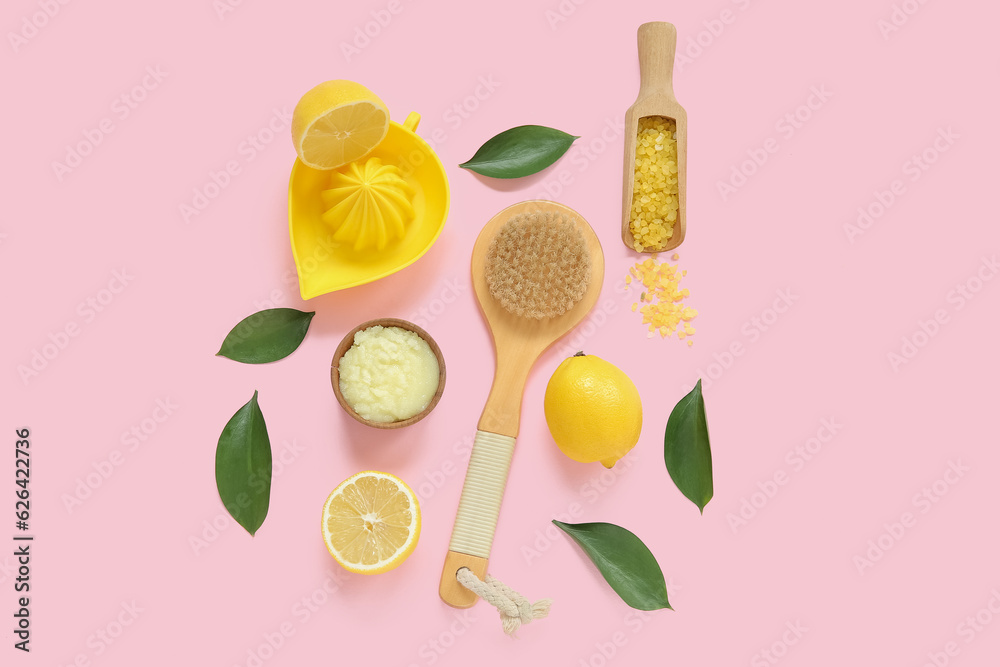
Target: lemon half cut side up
371, 522
336, 123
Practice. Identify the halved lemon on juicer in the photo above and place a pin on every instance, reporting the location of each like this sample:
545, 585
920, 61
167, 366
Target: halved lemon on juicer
371, 522
338, 122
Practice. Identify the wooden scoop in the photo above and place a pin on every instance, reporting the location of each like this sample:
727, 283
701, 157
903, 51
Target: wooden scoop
657, 44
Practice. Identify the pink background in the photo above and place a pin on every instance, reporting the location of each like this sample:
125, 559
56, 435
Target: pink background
737, 587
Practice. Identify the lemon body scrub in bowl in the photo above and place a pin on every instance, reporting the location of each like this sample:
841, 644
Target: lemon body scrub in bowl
388, 373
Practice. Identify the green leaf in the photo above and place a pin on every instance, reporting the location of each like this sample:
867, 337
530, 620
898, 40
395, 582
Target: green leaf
520, 151
243, 466
624, 561
686, 450
266, 336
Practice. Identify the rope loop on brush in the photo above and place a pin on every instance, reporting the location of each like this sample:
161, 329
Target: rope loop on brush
514, 608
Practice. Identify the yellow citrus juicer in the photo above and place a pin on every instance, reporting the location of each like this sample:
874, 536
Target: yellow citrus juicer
327, 264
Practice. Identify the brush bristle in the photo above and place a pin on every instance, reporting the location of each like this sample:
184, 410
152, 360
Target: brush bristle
538, 265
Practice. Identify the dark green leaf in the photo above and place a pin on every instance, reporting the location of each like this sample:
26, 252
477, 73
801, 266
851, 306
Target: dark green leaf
624, 561
266, 336
520, 151
243, 466
686, 450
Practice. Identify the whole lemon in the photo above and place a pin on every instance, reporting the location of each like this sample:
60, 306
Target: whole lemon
593, 410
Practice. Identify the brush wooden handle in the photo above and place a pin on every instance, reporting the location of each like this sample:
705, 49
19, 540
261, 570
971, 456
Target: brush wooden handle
454, 593
502, 412
478, 511
657, 45
518, 342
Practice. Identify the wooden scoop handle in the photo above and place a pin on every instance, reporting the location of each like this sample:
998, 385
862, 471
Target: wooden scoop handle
657, 45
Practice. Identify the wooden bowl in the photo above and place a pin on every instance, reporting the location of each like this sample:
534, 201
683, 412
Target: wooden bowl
346, 344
